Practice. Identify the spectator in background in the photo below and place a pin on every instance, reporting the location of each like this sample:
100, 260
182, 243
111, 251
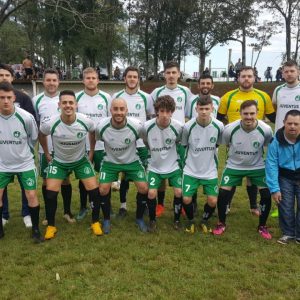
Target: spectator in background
206, 71
117, 73
238, 67
268, 74
257, 79
231, 73
279, 74
28, 68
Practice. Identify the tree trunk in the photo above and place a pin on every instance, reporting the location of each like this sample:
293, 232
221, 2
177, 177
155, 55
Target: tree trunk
146, 42
202, 57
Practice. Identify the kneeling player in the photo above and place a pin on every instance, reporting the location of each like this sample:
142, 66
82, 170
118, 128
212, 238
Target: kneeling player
162, 134
200, 136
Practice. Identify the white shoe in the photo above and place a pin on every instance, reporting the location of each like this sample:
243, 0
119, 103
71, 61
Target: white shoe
27, 221
4, 221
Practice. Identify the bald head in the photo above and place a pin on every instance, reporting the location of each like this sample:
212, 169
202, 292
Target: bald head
119, 101
118, 112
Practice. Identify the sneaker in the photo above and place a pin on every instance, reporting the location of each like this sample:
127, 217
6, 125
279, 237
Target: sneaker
285, 239
152, 226
205, 228
122, 213
50, 232
275, 213
264, 232
142, 225
37, 237
69, 218
106, 226
96, 228
177, 225
82, 214
255, 212
45, 222
190, 227
27, 221
4, 221
219, 229
159, 210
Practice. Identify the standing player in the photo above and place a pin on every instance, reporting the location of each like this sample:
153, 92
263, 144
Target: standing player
68, 133
119, 135
230, 108
140, 107
18, 136
180, 94
46, 106
201, 136
246, 139
162, 134
94, 104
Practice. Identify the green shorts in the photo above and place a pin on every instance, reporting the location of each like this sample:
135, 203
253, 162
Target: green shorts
97, 159
233, 177
27, 178
175, 179
190, 185
110, 172
83, 169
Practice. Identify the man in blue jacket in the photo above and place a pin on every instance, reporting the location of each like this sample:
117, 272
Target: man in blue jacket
283, 175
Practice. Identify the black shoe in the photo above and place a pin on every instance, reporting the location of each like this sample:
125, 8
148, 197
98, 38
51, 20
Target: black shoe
37, 237
122, 213
152, 226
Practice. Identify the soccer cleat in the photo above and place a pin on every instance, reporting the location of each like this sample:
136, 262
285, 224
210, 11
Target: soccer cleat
219, 229
82, 214
122, 213
27, 221
152, 226
190, 227
4, 221
285, 239
255, 212
177, 225
205, 228
69, 218
264, 232
106, 226
96, 228
159, 210
142, 225
37, 237
275, 213
50, 232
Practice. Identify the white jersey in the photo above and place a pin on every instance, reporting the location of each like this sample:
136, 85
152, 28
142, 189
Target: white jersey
69, 141
201, 154
139, 106
96, 108
192, 103
119, 144
18, 136
45, 107
285, 98
246, 149
180, 94
162, 145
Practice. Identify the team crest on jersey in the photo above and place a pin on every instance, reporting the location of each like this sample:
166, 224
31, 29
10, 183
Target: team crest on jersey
30, 182
213, 139
17, 134
179, 99
138, 106
87, 170
168, 141
256, 145
127, 141
80, 135
140, 174
100, 106
297, 98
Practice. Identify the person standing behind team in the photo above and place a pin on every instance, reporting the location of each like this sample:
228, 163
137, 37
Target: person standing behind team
46, 106
140, 107
180, 94
18, 137
201, 136
94, 104
246, 139
162, 134
68, 133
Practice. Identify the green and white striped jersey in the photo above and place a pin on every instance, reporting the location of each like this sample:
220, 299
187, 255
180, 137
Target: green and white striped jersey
201, 153
69, 141
18, 136
180, 94
45, 107
96, 108
285, 98
119, 144
246, 149
162, 145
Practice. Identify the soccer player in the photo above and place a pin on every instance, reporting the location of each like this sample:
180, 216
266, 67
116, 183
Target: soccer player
23, 101
162, 134
180, 94
140, 107
17, 140
230, 108
283, 175
68, 132
94, 104
201, 136
46, 106
119, 135
246, 139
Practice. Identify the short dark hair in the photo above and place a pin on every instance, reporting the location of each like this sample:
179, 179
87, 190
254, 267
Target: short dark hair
6, 87
164, 102
204, 100
292, 112
66, 92
246, 68
290, 63
248, 103
133, 69
7, 68
171, 64
206, 76
50, 71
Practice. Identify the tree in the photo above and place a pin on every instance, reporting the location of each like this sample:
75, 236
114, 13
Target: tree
9, 7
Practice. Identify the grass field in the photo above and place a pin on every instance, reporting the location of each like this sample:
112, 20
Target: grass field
130, 265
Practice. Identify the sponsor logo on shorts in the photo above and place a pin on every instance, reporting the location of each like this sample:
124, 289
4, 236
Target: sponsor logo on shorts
87, 170
100, 106
297, 98
213, 139
138, 106
79, 135
17, 134
127, 141
168, 141
179, 99
255, 144
30, 182
140, 174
